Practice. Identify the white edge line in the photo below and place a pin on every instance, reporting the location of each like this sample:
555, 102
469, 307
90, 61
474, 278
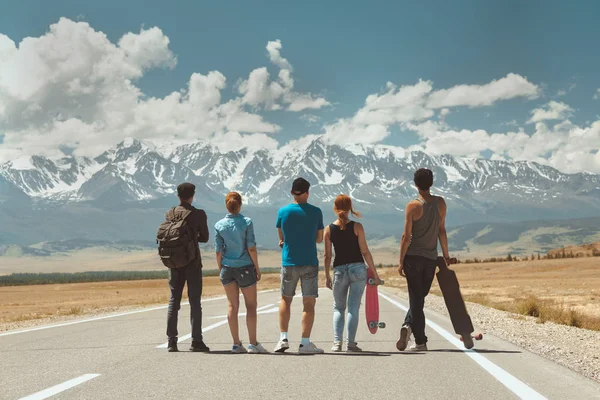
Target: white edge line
54, 390
519, 388
242, 314
81, 321
186, 337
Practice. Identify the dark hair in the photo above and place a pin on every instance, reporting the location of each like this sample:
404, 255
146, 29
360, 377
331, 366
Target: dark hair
300, 186
424, 179
186, 191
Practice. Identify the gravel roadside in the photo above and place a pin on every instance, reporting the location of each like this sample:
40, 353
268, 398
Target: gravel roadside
575, 348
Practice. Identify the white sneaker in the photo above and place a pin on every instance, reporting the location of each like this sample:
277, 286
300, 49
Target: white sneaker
418, 347
282, 346
257, 349
310, 349
337, 347
405, 333
238, 349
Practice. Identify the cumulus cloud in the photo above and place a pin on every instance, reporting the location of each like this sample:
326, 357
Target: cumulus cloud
596, 95
509, 87
74, 88
260, 91
274, 49
411, 104
554, 110
565, 146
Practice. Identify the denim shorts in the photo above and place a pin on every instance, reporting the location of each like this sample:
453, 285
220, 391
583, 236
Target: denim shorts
244, 276
308, 277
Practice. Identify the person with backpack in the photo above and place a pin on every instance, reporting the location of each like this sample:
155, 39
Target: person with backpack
178, 239
237, 260
349, 271
300, 228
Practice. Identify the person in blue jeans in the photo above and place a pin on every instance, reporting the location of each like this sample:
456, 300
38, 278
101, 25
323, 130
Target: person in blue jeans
349, 271
237, 259
300, 227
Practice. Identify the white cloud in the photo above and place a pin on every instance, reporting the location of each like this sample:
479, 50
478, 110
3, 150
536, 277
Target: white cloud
597, 95
259, 90
414, 103
571, 148
509, 87
274, 49
73, 87
552, 111
310, 119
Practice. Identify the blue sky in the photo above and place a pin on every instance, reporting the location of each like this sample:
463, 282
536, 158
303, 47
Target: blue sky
346, 51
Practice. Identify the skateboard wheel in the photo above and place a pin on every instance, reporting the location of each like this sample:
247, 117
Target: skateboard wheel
371, 281
382, 281
479, 336
382, 325
372, 325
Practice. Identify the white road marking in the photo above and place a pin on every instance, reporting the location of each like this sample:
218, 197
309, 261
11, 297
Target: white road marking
81, 321
243, 314
54, 390
513, 384
186, 337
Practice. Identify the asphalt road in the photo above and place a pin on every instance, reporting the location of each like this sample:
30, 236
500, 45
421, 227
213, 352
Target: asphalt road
121, 357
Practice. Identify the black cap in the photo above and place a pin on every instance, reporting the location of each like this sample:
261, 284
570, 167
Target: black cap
300, 186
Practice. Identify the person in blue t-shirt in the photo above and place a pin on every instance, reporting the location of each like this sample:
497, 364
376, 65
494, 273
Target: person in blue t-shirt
300, 228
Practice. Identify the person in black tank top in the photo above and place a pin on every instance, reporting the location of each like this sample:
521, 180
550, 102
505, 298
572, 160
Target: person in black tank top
347, 239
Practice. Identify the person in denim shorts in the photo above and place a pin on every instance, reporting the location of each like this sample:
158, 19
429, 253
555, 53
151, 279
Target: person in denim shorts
237, 259
349, 271
300, 227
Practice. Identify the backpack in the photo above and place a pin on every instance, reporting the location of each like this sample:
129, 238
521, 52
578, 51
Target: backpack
176, 247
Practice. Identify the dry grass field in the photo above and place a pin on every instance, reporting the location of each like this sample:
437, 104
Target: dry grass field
565, 291
26, 303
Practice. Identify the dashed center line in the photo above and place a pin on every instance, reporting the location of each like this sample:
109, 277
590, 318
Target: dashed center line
54, 390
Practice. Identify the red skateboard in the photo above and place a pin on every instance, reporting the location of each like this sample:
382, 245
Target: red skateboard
461, 321
372, 304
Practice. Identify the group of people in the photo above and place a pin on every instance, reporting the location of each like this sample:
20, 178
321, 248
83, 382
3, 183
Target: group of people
300, 228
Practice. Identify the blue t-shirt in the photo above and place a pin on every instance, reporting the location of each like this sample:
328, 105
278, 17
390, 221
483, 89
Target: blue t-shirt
300, 224
234, 235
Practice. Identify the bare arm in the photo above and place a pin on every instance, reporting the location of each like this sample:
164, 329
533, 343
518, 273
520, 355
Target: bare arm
281, 238
443, 235
407, 235
219, 248
219, 260
254, 256
359, 230
328, 256
319, 235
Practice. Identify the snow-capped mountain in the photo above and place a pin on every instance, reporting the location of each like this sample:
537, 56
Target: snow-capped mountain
122, 194
375, 176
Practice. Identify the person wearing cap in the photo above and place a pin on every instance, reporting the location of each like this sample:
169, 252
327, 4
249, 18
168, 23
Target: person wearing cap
300, 227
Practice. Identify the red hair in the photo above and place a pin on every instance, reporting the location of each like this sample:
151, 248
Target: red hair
233, 202
342, 206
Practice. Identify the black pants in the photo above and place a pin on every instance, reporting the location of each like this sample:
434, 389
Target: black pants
177, 279
419, 276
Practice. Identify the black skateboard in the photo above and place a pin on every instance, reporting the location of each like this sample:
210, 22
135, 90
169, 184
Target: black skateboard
461, 321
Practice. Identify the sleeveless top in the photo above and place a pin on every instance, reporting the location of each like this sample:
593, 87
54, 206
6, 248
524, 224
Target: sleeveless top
425, 232
345, 244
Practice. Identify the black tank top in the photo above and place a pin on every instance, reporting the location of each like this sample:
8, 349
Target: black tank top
345, 244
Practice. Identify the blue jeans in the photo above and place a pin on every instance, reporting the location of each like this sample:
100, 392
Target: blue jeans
348, 286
